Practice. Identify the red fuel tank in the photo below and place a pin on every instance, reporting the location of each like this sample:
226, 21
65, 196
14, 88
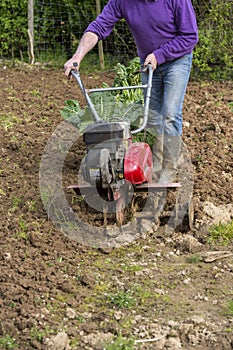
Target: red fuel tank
138, 164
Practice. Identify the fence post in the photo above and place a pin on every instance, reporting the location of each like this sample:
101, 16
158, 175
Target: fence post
31, 31
100, 43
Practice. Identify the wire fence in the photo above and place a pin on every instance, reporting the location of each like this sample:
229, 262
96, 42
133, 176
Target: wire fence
52, 30
58, 28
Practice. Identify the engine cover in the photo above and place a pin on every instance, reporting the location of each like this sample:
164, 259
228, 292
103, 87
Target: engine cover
111, 134
105, 145
138, 164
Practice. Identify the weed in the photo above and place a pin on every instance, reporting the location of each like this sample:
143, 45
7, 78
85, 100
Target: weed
229, 330
35, 93
120, 343
7, 342
12, 304
16, 202
61, 298
221, 233
46, 198
231, 106
77, 200
193, 259
60, 259
229, 311
2, 193
146, 137
22, 229
80, 318
142, 293
122, 300
39, 334
31, 205
8, 121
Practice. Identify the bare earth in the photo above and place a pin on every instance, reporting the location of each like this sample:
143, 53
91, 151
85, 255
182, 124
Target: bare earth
160, 289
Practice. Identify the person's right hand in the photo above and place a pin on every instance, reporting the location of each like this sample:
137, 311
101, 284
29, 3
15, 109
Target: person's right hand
151, 59
70, 65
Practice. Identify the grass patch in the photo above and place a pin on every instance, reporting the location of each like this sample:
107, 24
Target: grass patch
8, 121
193, 259
120, 343
122, 300
231, 106
221, 234
229, 306
39, 334
7, 342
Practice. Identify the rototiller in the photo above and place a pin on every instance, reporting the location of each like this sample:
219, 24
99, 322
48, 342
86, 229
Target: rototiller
114, 165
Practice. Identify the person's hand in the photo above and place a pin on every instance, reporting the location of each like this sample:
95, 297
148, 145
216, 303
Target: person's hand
70, 65
151, 59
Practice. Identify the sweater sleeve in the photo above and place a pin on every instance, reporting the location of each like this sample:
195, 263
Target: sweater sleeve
187, 34
104, 23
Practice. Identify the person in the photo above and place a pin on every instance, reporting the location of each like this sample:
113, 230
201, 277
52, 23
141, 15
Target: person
165, 33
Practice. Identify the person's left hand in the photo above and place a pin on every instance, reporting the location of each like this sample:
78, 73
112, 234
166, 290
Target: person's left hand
151, 59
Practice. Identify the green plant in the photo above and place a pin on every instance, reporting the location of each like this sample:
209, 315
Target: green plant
214, 50
193, 259
7, 342
122, 299
124, 106
2, 193
221, 233
229, 311
120, 343
144, 136
13, 28
8, 121
231, 106
39, 334
31, 205
128, 76
16, 202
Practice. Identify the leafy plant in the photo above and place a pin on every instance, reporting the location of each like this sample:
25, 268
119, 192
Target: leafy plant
120, 343
214, 50
13, 28
122, 299
39, 334
16, 202
221, 233
128, 76
8, 121
110, 105
7, 342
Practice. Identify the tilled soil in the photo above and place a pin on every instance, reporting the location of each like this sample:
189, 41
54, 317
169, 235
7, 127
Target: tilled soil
160, 290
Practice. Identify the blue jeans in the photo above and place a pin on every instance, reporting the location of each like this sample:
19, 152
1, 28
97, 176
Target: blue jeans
169, 84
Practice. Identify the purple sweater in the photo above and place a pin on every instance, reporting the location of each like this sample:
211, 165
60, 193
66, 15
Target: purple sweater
166, 27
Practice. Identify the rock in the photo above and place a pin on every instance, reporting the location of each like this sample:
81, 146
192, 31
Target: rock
96, 340
58, 342
188, 243
215, 215
88, 280
70, 313
173, 344
214, 255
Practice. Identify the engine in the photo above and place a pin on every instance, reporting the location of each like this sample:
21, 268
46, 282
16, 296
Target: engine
106, 144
